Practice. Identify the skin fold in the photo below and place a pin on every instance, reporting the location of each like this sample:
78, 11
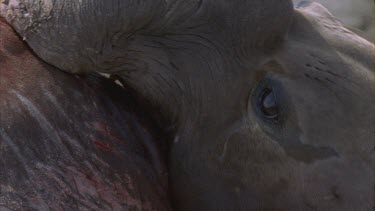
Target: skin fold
73, 143
205, 66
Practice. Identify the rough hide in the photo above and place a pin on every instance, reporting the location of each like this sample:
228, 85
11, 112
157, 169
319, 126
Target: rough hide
271, 106
72, 143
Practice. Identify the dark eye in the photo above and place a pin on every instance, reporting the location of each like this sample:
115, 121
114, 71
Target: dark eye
268, 104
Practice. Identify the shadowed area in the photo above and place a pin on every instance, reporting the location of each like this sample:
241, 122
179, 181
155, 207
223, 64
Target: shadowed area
73, 143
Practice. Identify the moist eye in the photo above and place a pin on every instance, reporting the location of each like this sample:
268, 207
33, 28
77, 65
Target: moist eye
269, 102
268, 105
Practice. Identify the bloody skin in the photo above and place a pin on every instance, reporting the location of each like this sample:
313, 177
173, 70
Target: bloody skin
73, 142
209, 66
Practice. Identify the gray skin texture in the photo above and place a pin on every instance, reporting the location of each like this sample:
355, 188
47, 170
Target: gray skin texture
202, 64
71, 142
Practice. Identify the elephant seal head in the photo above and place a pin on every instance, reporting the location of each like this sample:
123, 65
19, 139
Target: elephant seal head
271, 107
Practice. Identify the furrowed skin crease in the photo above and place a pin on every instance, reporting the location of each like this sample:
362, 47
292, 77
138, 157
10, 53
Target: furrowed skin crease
73, 143
269, 106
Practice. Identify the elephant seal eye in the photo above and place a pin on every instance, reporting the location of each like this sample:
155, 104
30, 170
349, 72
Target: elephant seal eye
268, 104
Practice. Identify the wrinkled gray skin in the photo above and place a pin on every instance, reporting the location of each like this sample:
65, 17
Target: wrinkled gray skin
204, 63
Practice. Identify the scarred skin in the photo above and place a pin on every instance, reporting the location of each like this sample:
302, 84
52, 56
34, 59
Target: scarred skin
205, 66
73, 143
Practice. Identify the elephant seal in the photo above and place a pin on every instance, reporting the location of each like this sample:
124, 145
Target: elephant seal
270, 106
73, 143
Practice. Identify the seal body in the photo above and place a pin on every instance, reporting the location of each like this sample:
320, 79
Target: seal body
271, 106
72, 143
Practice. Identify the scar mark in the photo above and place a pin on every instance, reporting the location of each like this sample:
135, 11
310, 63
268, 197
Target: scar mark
308, 153
224, 153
